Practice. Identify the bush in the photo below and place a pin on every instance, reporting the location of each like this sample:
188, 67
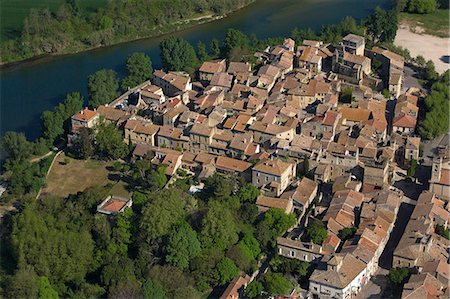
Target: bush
398, 276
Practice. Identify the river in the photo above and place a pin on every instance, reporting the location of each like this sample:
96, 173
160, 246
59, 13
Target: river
29, 88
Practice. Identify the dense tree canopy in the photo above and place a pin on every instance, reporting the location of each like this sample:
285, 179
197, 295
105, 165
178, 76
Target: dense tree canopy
110, 142
139, 70
274, 224
277, 284
382, 25
103, 87
436, 120
182, 246
177, 55
317, 232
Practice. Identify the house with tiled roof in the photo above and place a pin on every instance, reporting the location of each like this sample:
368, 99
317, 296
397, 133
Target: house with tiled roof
440, 178
265, 203
303, 251
173, 138
140, 131
172, 83
113, 204
86, 118
273, 175
209, 68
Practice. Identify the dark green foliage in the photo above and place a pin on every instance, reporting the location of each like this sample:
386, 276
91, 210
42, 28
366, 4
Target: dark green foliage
442, 231
109, 141
215, 47
177, 55
226, 270
420, 6
127, 288
254, 289
152, 289
317, 232
139, 70
15, 148
382, 25
201, 52
42, 238
347, 233
436, 121
276, 284
182, 246
274, 224
218, 227
398, 276
84, 144
161, 213
235, 42
23, 284
248, 193
412, 168
175, 283
45, 289
346, 95
102, 86
293, 267
72, 29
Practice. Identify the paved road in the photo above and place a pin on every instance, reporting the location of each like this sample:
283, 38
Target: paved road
410, 79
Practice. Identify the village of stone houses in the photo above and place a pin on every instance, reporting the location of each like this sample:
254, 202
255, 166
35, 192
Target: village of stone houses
323, 137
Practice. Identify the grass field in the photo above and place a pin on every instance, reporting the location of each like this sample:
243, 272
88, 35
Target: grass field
14, 12
436, 23
78, 175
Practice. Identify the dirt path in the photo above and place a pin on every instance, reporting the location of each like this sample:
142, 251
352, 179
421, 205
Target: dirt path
430, 47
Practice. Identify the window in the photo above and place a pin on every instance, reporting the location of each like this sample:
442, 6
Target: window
292, 253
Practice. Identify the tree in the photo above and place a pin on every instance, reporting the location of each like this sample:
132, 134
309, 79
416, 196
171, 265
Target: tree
176, 283
382, 25
218, 227
234, 39
254, 289
274, 224
412, 168
23, 284
52, 125
15, 147
139, 69
248, 193
201, 52
102, 87
84, 144
421, 6
110, 142
442, 231
127, 288
161, 213
430, 73
177, 54
420, 61
157, 179
346, 233
152, 289
277, 284
46, 290
317, 232
226, 270
398, 276
182, 246
215, 47
346, 95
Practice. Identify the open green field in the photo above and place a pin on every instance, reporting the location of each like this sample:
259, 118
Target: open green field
77, 175
14, 12
436, 23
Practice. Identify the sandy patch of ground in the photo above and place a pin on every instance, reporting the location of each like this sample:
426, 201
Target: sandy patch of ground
430, 47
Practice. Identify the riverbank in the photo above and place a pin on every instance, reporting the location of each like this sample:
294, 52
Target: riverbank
157, 31
430, 47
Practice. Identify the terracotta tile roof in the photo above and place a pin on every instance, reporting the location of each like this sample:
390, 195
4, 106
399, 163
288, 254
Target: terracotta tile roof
214, 66
354, 114
272, 202
142, 127
222, 79
235, 288
200, 129
238, 67
405, 121
111, 113
275, 167
232, 164
85, 115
